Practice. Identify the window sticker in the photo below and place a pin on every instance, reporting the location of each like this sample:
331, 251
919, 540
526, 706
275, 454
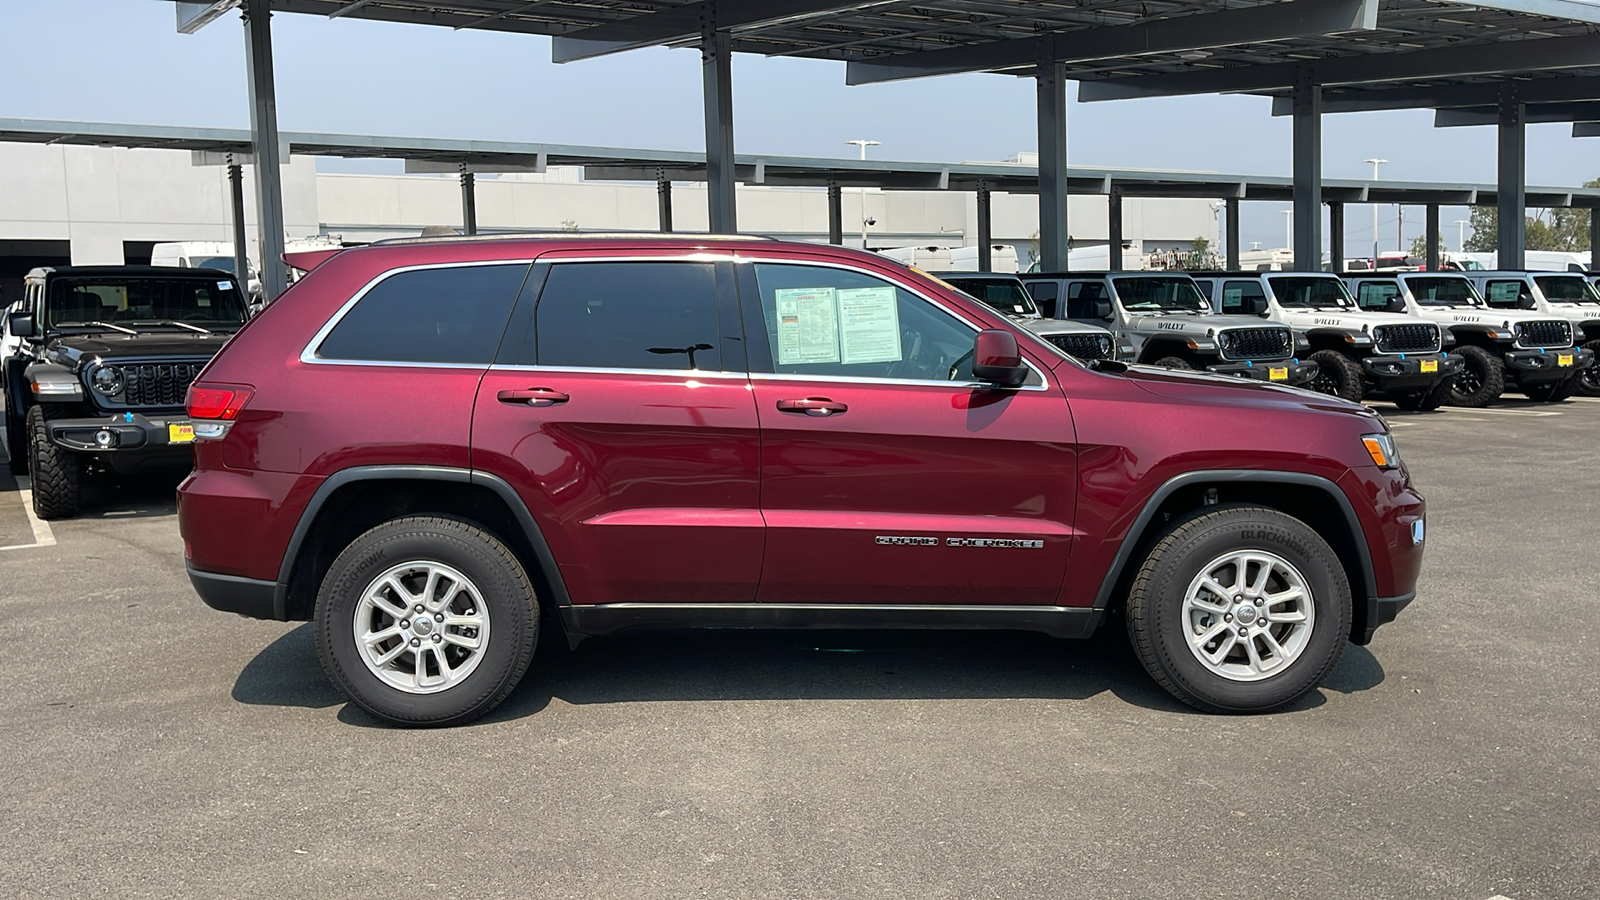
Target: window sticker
807, 325
224, 285
869, 325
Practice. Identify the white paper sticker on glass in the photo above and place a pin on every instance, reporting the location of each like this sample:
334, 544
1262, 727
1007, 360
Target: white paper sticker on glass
807, 326
869, 325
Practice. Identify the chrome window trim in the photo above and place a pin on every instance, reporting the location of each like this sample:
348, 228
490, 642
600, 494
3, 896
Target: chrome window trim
309, 354
689, 374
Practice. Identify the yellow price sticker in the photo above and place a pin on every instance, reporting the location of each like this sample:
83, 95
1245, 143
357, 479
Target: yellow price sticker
1563, 359
180, 434
1278, 373
1430, 365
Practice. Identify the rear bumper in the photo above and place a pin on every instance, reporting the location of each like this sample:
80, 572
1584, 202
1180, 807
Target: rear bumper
1382, 611
1543, 366
1405, 370
121, 433
246, 596
1293, 371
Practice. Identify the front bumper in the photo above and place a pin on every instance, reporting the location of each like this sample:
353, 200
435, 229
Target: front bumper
123, 433
1544, 366
1289, 371
1402, 371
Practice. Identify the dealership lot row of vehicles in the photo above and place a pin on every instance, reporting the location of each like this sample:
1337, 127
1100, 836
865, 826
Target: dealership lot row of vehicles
652, 432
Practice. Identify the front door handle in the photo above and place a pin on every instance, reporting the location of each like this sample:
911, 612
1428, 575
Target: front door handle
813, 406
533, 397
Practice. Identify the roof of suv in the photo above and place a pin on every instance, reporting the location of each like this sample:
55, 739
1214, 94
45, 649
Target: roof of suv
127, 271
597, 237
1102, 273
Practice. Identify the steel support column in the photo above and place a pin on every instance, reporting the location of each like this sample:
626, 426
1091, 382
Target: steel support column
1336, 236
1510, 221
1230, 209
1114, 229
469, 201
1432, 236
264, 144
716, 54
1307, 173
835, 214
985, 223
1594, 240
241, 252
1051, 81
663, 202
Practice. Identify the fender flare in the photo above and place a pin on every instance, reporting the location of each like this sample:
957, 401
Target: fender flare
507, 494
1130, 540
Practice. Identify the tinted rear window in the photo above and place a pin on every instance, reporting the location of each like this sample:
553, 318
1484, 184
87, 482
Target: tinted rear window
450, 315
632, 315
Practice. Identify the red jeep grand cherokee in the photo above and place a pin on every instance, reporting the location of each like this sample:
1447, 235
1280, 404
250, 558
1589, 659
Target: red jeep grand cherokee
427, 443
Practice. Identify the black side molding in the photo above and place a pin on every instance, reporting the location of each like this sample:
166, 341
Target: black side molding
230, 593
1381, 611
1056, 621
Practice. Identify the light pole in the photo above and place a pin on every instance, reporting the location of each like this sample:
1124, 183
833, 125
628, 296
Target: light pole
1288, 227
1461, 235
1375, 164
863, 145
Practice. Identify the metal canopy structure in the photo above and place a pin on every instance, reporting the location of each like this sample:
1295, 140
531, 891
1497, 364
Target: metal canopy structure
1290, 49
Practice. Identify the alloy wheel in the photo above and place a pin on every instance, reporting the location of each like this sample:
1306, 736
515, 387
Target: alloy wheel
1248, 615
421, 627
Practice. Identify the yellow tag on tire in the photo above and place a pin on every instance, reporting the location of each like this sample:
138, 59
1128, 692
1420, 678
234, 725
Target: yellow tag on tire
180, 434
1278, 373
1563, 359
1430, 365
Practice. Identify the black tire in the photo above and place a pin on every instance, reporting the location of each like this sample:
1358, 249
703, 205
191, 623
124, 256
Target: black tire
57, 474
1156, 621
16, 442
1338, 375
1588, 381
1481, 381
1425, 400
1175, 362
1553, 391
501, 582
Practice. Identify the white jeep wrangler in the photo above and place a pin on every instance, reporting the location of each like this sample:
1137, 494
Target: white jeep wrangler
1566, 295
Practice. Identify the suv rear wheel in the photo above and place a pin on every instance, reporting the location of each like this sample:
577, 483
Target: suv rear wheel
1239, 609
57, 474
426, 621
1338, 375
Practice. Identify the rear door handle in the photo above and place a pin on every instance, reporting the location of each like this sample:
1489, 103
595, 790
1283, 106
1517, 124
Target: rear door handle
533, 397
813, 406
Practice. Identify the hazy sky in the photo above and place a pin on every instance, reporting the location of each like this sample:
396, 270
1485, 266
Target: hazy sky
122, 61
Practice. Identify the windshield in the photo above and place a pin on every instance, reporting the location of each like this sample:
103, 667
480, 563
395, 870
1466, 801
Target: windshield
1005, 294
150, 301
1160, 294
1566, 289
225, 263
1442, 291
1308, 292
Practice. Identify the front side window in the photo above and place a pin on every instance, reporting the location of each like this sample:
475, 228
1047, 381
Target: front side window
1508, 294
1443, 292
132, 302
829, 322
1167, 294
452, 315
1081, 297
1236, 295
629, 315
1382, 296
1310, 293
1566, 289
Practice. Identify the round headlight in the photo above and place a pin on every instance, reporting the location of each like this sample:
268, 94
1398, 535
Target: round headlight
1225, 340
107, 380
1105, 346
1285, 340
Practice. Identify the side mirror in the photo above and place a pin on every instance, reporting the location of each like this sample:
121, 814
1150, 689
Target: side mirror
996, 359
1256, 306
1102, 309
1524, 302
20, 325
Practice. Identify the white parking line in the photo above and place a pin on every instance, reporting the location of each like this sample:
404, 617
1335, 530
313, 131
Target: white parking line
1524, 413
42, 535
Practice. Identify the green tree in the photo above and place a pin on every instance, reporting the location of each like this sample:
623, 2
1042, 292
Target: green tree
1548, 229
1419, 246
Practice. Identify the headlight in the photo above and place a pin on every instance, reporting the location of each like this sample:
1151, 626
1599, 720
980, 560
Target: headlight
1382, 450
1379, 333
1225, 340
1104, 343
106, 380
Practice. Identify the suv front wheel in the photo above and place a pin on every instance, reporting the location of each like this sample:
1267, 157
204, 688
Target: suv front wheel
1239, 609
426, 621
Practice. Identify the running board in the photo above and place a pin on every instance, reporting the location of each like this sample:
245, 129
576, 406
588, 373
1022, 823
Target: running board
609, 618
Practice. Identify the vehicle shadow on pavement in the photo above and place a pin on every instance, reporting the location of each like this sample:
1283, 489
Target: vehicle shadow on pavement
132, 497
791, 665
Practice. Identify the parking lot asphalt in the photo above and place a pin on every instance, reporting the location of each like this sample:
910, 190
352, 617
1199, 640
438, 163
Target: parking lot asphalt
155, 748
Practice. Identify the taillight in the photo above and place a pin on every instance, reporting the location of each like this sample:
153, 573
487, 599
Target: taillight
217, 401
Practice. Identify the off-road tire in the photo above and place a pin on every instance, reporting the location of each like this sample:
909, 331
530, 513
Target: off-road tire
1552, 391
57, 474
1481, 381
1175, 362
16, 442
1588, 381
500, 579
1155, 606
1338, 375
1425, 400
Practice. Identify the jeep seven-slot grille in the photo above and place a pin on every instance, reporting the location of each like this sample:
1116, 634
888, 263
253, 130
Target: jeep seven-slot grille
1544, 333
1083, 346
1258, 343
1408, 338
157, 384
